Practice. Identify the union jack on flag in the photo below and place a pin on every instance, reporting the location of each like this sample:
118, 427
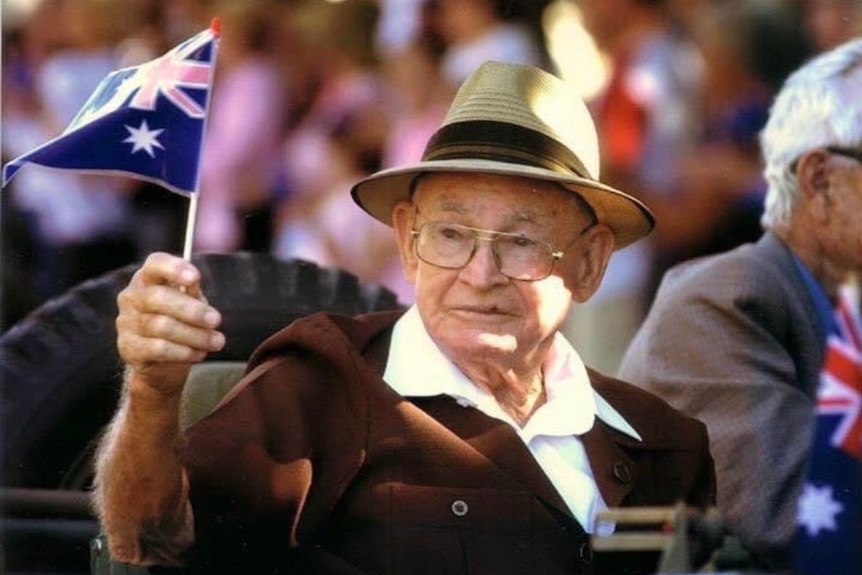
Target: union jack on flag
829, 534
146, 121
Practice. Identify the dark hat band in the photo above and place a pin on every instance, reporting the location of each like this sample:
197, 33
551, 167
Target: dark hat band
488, 140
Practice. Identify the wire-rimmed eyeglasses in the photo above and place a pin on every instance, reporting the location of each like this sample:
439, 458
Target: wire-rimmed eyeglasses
451, 246
852, 153
846, 152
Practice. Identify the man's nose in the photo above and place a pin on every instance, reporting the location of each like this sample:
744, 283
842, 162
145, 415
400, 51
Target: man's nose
482, 269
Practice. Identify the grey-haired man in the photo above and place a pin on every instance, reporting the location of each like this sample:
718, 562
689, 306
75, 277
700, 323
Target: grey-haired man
738, 339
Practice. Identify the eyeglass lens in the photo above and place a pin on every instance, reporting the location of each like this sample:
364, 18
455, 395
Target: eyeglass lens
846, 152
452, 246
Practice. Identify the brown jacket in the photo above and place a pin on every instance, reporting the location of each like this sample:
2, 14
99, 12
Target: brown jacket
314, 465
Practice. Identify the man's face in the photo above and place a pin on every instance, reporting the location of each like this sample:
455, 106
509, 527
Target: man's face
829, 23
477, 312
842, 236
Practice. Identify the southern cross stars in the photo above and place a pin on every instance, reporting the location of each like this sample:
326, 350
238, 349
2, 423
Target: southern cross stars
143, 138
817, 510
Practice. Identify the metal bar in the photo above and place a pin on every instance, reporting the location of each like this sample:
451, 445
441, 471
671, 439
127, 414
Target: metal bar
631, 542
25, 502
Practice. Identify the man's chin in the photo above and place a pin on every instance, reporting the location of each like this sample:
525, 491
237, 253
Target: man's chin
489, 343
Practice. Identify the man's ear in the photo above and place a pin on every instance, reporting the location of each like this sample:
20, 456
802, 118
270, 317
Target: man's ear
812, 177
403, 218
590, 260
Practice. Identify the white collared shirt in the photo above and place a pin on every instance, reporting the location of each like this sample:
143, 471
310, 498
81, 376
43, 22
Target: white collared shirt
417, 368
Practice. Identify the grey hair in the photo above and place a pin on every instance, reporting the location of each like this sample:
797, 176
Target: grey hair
819, 105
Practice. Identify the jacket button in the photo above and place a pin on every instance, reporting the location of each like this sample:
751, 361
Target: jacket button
622, 473
585, 553
460, 507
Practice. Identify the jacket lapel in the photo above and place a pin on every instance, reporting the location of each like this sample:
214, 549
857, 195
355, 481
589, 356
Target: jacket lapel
491, 438
607, 449
497, 442
614, 471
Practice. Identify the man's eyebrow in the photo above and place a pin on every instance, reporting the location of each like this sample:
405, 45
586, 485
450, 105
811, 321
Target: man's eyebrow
527, 216
521, 215
449, 206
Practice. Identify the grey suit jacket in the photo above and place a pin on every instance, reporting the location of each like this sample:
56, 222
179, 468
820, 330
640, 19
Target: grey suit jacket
735, 341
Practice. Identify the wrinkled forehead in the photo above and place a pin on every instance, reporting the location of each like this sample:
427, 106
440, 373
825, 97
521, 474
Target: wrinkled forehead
522, 199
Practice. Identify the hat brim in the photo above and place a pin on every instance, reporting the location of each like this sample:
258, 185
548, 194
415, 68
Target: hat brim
627, 217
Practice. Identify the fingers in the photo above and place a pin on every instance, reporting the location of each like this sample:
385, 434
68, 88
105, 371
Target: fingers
152, 337
163, 317
143, 353
166, 269
170, 301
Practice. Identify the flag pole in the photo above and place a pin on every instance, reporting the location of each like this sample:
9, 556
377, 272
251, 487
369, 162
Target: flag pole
191, 218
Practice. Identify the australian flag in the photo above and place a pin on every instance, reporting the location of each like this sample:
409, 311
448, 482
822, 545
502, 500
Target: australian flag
829, 534
146, 121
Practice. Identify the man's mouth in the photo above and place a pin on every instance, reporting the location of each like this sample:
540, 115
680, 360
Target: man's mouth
480, 310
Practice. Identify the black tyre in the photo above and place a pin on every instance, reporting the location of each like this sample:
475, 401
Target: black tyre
60, 374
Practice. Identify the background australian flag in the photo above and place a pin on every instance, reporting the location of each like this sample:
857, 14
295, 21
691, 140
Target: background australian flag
829, 533
146, 121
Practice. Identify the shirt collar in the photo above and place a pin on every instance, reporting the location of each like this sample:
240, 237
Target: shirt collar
417, 368
822, 305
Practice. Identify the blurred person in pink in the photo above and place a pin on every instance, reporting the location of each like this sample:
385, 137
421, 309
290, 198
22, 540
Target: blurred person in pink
337, 137
331, 230
417, 98
336, 43
238, 170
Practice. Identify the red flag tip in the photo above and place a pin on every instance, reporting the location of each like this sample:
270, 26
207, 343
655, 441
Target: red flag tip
215, 26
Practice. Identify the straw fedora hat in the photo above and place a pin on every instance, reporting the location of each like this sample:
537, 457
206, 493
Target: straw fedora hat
515, 120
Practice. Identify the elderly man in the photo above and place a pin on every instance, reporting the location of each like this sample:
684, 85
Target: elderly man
738, 339
463, 436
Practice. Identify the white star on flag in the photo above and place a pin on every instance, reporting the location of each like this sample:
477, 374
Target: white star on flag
817, 510
143, 138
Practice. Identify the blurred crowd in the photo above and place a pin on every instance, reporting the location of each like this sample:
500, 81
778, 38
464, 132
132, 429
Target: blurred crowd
310, 95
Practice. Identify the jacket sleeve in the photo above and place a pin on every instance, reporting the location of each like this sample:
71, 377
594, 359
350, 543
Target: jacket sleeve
267, 467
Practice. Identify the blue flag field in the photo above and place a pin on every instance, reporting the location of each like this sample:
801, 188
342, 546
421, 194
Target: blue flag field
146, 121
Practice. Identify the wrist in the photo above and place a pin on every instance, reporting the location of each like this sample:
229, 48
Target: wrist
154, 389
